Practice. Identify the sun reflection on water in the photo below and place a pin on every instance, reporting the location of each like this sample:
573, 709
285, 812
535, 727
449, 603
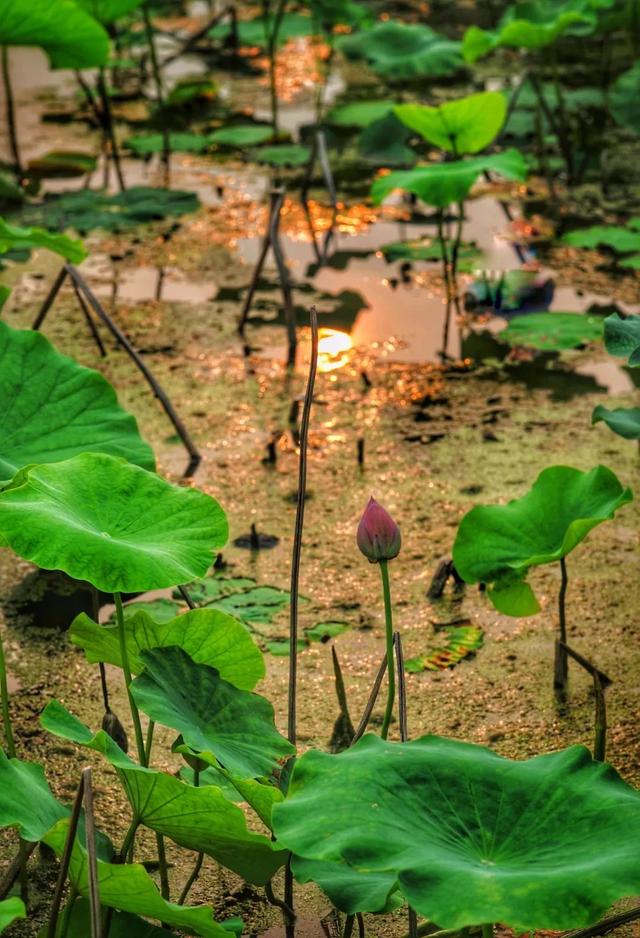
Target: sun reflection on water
333, 349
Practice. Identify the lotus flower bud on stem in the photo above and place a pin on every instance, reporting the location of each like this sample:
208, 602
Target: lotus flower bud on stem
378, 535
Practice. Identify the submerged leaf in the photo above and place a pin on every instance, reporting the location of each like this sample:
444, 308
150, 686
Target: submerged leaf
548, 843
52, 408
497, 544
103, 520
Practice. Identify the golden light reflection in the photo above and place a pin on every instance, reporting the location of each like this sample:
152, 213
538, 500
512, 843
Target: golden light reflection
333, 349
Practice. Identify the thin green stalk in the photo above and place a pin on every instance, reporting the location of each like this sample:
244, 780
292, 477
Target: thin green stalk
129, 837
124, 654
11, 112
6, 715
200, 858
149, 742
391, 667
561, 668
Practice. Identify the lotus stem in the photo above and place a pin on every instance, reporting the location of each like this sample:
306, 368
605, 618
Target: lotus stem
487, 931
124, 655
200, 858
4, 695
391, 668
561, 668
129, 837
11, 114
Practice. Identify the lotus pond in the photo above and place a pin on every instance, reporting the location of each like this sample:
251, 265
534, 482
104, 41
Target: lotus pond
319, 423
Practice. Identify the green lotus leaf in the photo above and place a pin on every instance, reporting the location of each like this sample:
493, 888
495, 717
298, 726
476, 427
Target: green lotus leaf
528, 25
339, 12
325, 630
192, 91
241, 135
549, 843
624, 99
630, 263
620, 240
108, 11
12, 237
552, 330
497, 544
103, 520
254, 32
68, 410
62, 164
10, 910
359, 113
622, 337
430, 249
467, 125
383, 143
350, 890
213, 716
625, 421
161, 610
282, 154
129, 888
402, 51
201, 819
70, 37
178, 142
440, 184
121, 924
208, 636
26, 801
5, 293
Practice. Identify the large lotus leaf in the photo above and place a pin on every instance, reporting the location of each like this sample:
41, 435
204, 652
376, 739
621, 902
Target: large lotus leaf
624, 99
625, 421
209, 636
108, 11
403, 51
620, 240
52, 408
528, 25
467, 125
103, 520
472, 837
552, 330
12, 237
10, 910
212, 715
87, 209
241, 135
129, 888
497, 544
359, 113
26, 801
440, 184
201, 819
70, 37
350, 890
622, 337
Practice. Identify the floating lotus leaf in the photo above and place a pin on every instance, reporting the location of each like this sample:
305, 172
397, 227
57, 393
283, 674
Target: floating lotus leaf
201, 819
282, 154
359, 113
10, 910
497, 544
622, 337
553, 330
214, 717
178, 142
624, 99
467, 125
528, 25
68, 410
129, 888
241, 135
103, 520
430, 249
207, 635
384, 143
620, 240
70, 37
440, 184
472, 837
402, 51
62, 164
625, 421
255, 32
14, 238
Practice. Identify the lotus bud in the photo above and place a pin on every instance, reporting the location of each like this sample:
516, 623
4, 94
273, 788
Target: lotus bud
114, 728
378, 534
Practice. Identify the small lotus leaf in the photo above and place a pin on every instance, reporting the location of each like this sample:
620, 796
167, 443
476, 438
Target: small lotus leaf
497, 544
440, 184
255, 32
212, 715
177, 142
10, 910
359, 113
467, 125
209, 636
129, 888
527, 25
241, 135
625, 421
70, 37
282, 154
430, 249
622, 337
547, 843
201, 819
402, 51
68, 410
624, 99
103, 520
620, 240
12, 237
552, 330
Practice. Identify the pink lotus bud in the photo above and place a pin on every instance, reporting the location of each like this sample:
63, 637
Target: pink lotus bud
378, 534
